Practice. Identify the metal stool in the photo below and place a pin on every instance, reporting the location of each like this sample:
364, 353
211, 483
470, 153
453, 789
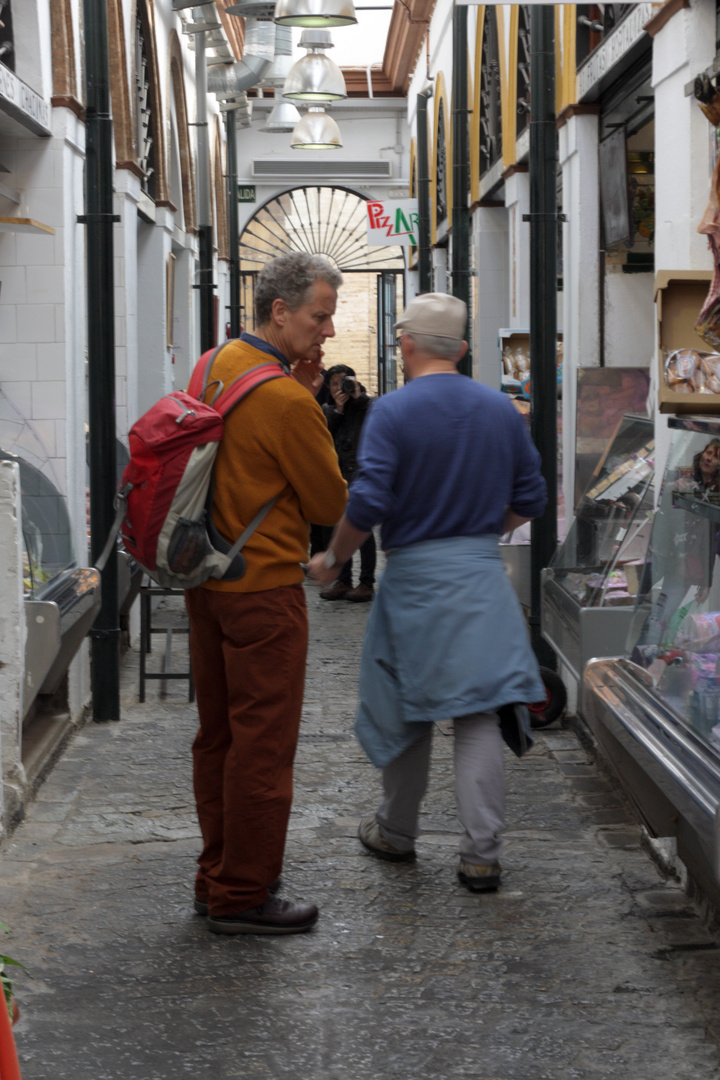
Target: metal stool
147, 590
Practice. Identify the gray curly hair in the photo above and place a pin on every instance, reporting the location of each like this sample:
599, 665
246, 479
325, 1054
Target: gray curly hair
290, 278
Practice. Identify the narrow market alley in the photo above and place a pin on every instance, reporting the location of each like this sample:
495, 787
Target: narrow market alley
586, 964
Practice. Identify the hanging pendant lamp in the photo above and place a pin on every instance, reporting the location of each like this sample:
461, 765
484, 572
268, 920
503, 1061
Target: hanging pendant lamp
252, 9
283, 118
315, 77
316, 131
315, 12
180, 5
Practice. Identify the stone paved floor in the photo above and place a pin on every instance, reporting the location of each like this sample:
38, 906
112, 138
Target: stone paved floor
585, 966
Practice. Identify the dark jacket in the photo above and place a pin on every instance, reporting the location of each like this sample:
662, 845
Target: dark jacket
345, 428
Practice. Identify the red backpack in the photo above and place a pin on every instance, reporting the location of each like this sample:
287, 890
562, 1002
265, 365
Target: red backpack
166, 490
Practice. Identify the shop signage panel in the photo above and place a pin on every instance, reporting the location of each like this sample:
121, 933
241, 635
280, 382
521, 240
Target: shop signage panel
394, 221
20, 102
614, 47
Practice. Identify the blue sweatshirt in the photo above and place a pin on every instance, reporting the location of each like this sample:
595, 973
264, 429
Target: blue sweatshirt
444, 456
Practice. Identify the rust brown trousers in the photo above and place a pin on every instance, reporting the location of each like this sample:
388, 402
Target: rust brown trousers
248, 653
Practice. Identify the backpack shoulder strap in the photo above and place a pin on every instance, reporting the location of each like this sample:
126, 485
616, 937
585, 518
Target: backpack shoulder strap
246, 382
201, 372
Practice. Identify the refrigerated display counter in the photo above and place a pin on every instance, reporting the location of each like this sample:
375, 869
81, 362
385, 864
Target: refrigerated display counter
589, 589
656, 710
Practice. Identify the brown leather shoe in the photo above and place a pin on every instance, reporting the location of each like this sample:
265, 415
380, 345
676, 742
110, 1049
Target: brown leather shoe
338, 591
273, 917
203, 908
361, 594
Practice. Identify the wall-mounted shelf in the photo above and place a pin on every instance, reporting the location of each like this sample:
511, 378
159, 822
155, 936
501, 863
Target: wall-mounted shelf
24, 225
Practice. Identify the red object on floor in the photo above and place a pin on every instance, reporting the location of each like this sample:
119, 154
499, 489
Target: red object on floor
9, 1065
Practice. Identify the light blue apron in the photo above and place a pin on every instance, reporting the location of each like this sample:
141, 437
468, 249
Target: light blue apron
446, 637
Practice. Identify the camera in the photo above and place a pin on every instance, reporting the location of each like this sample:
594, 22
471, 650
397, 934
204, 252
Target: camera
347, 386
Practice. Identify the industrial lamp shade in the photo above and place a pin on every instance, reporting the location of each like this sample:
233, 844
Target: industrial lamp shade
315, 77
252, 9
180, 5
283, 118
316, 131
315, 12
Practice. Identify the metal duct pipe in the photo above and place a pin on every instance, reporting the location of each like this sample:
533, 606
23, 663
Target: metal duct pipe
232, 79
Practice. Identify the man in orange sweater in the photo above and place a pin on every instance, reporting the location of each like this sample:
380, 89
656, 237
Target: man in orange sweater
248, 638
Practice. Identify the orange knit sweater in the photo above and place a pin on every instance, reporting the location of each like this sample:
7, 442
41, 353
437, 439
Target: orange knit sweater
275, 442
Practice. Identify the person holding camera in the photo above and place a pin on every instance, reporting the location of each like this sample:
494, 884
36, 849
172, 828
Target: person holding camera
345, 416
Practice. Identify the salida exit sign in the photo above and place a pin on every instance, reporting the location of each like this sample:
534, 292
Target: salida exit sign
246, 193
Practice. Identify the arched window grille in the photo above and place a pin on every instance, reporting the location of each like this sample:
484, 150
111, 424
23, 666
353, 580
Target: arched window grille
523, 69
490, 107
329, 221
594, 23
441, 168
143, 113
7, 44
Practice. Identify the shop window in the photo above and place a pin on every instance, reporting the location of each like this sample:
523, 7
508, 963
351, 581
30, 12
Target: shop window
627, 192
143, 113
594, 23
523, 69
490, 108
7, 44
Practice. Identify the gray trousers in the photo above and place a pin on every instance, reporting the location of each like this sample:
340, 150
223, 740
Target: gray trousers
479, 788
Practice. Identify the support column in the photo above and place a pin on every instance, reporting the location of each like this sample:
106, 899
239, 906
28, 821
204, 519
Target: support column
490, 242
578, 158
101, 355
424, 209
517, 203
543, 300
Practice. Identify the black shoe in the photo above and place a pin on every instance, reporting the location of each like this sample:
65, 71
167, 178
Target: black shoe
273, 917
201, 906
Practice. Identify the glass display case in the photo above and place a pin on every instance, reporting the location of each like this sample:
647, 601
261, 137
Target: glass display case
61, 598
590, 588
657, 709
676, 631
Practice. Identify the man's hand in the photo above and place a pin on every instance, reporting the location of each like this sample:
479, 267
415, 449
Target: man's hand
345, 542
317, 570
309, 373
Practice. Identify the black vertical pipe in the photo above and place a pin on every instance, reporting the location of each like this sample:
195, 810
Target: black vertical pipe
234, 244
460, 266
543, 298
205, 230
101, 355
423, 194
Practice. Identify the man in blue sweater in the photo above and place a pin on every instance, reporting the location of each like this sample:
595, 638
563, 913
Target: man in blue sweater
446, 466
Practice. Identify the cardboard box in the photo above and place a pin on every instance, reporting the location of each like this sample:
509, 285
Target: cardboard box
679, 297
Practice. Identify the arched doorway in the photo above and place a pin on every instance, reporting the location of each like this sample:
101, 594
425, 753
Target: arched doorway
331, 221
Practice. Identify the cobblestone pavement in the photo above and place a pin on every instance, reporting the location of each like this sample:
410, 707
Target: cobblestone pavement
585, 966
